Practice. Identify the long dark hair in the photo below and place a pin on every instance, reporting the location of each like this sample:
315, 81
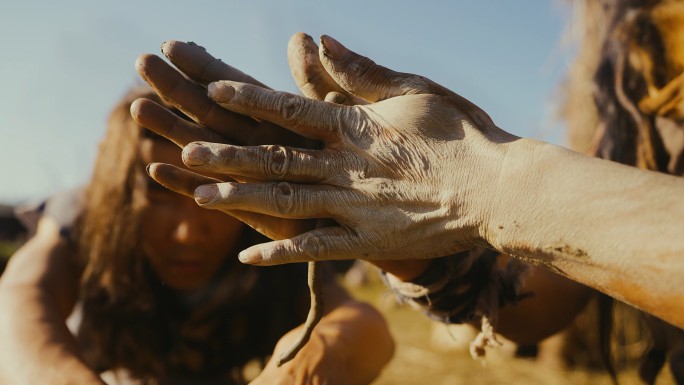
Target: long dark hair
622, 53
625, 133
132, 321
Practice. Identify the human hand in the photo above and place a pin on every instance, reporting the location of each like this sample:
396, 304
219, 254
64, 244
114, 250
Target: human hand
350, 346
411, 175
320, 361
185, 90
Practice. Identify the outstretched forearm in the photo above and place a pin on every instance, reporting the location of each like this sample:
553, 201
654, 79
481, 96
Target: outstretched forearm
612, 227
364, 330
37, 293
37, 347
420, 172
350, 345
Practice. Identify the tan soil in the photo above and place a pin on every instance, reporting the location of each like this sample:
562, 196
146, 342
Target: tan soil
419, 361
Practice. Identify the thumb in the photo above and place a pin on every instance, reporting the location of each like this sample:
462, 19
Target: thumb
360, 75
309, 74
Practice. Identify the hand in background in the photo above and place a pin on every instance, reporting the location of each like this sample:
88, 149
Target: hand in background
184, 89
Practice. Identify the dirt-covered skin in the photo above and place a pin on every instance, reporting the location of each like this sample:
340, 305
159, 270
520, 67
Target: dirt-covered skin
523, 197
421, 172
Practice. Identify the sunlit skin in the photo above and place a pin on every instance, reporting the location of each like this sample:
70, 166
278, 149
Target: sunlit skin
574, 182
457, 180
184, 243
185, 246
41, 284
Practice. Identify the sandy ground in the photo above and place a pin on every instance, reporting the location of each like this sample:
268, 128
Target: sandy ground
430, 353
427, 353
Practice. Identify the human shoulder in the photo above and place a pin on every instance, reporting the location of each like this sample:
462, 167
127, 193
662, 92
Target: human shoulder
48, 256
61, 208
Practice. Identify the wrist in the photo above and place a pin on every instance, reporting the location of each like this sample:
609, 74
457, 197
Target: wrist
516, 193
475, 186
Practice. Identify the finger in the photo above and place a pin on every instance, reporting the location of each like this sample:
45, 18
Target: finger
278, 199
360, 76
326, 243
268, 162
192, 99
309, 74
196, 63
273, 227
336, 97
157, 118
313, 119
177, 179
185, 182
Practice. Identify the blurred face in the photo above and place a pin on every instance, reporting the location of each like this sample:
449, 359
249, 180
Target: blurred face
184, 243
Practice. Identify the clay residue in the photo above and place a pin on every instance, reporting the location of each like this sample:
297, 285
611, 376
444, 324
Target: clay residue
550, 257
565, 251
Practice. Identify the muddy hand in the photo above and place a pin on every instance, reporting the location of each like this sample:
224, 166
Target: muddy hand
399, 176
185, 90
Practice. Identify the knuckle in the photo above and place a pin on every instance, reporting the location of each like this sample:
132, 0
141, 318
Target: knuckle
277, 160
345, 118
362, 66
208, 69
291, 108
177, 131
413, 84
249, 96
314, 85
313, 247
371, 74
283, 198
361, 129
224, 154
202, 112
312, 77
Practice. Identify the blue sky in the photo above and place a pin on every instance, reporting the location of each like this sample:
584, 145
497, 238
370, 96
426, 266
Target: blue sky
64, 64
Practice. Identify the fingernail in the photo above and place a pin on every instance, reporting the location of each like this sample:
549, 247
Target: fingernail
139, 67
332, 48
205, 193
249, 256
164, 47
195, 154
220, 92
147, 169
309, 44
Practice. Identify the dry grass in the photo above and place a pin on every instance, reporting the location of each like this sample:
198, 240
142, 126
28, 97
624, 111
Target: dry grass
419, 361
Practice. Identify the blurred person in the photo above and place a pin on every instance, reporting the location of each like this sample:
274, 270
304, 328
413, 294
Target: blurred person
160, 296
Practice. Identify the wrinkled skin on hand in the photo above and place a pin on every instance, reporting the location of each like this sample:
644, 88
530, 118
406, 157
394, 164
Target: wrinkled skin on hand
185, 89
386, 174
209, 122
